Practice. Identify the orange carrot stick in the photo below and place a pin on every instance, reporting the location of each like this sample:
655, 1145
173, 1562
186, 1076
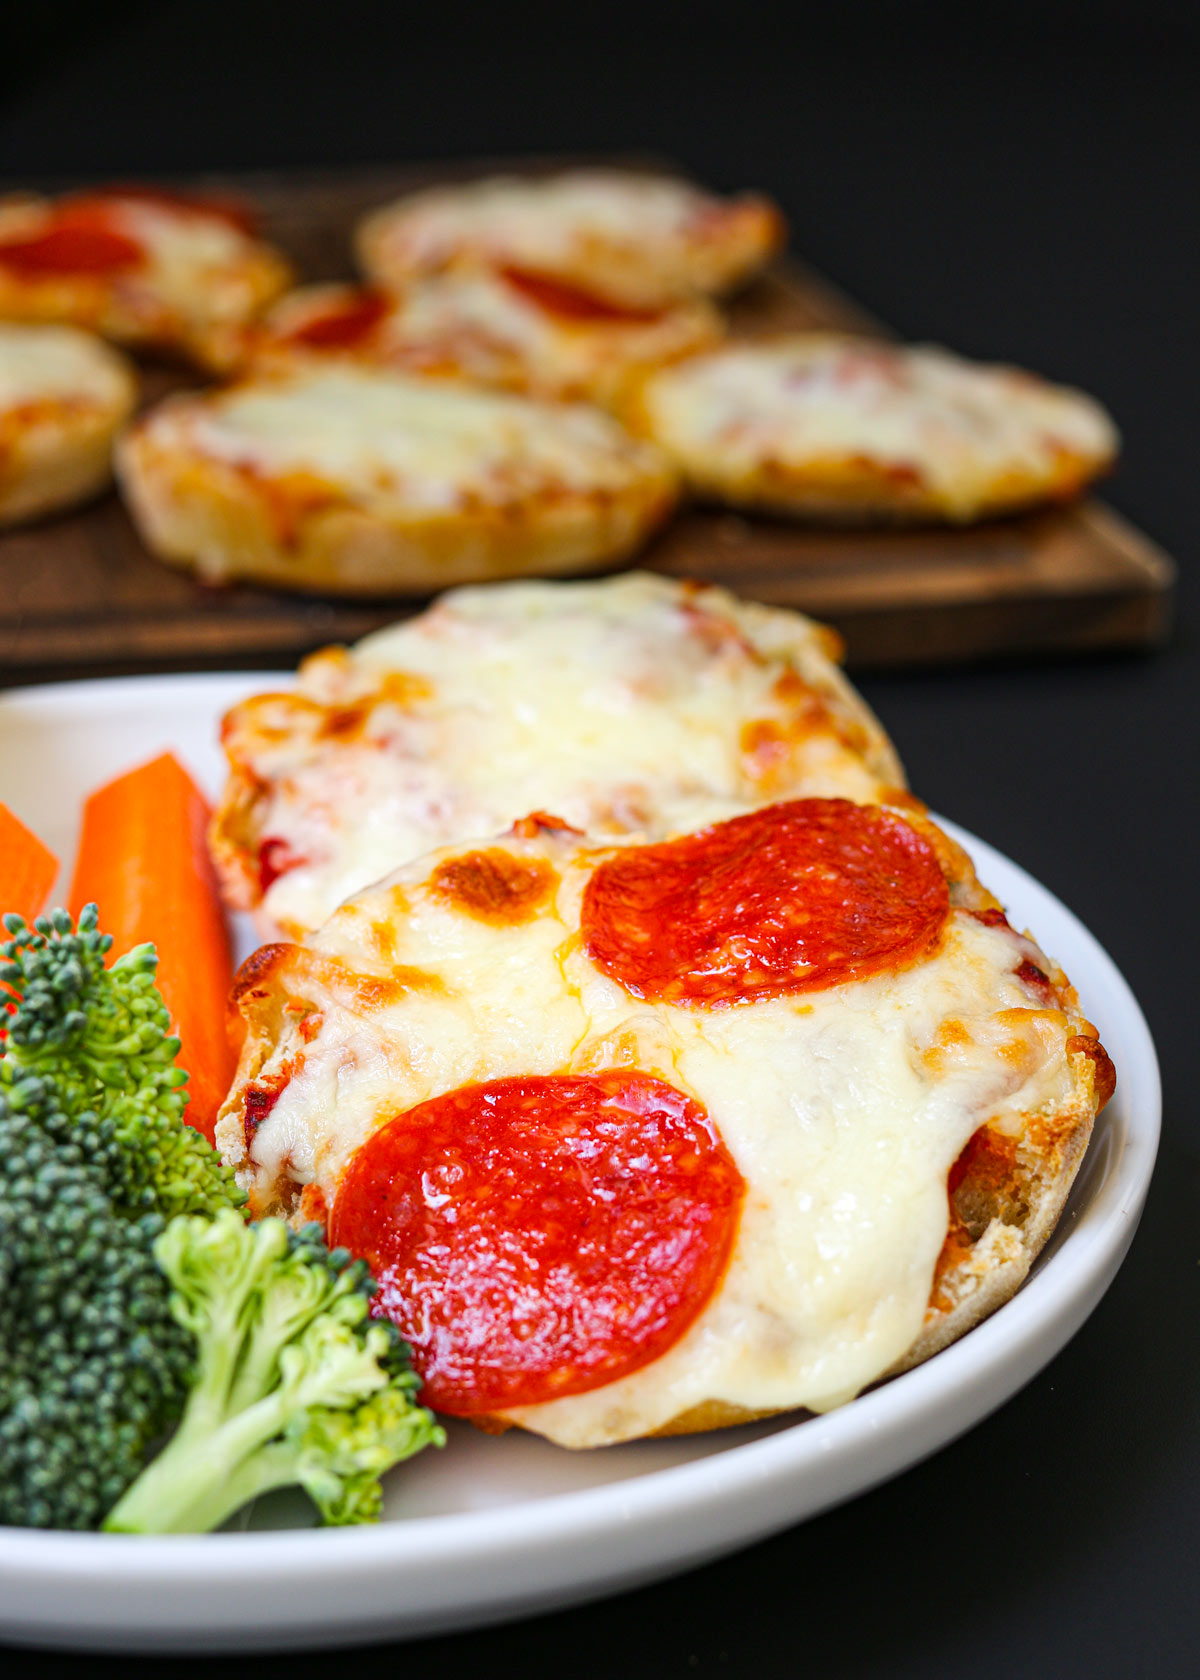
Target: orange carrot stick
27, 869
143, 858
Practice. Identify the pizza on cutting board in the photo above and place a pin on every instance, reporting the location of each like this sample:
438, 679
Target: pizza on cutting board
854, 430
643, 241
637, 703
353, 480
516, 331
63, 397
144, 266
644, 1137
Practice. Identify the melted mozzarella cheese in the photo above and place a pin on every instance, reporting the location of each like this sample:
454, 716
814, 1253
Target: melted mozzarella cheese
59, 364
427, 445
540, 222
616, 705
839, 1108
814, 399
198, 265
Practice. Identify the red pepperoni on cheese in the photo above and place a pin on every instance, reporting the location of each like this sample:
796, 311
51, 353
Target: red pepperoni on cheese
343, 324
80, 241
572, 303
790, 898
543, 1236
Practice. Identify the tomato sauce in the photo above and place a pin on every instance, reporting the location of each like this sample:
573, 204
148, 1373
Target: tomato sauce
343, 325
571, 303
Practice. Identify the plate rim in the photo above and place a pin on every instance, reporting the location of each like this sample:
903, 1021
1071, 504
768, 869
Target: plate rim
1066, 1286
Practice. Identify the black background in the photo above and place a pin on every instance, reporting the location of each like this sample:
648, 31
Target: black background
1018, 181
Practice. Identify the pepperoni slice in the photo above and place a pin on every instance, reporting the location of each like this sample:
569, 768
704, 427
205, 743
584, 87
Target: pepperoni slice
344, 324
543, 1236
790, 898
79, 242
572, 303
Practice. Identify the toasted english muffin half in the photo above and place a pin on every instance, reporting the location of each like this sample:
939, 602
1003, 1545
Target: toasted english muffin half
349, 480
632, 703
63, 397
140, 265
852, 430
509, 331
644, 241
649, 1138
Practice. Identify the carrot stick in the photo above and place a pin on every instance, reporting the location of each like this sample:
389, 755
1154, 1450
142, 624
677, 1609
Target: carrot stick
27, 868
143, 859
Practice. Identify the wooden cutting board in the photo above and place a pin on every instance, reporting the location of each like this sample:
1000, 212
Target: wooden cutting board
80, 596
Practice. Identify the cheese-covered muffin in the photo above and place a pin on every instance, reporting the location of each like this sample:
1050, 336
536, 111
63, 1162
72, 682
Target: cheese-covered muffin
63, 397
141, 265
640, 240
850, 429
642, 1138
502, 328
634, 703
352, 480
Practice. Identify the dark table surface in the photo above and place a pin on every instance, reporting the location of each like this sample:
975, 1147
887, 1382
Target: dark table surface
1022, 185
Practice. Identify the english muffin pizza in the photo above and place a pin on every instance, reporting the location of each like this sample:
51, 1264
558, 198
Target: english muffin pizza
644, 1137
139, 265
518, 331
353, 480
63, 396
636, 703
853, 429
643, 241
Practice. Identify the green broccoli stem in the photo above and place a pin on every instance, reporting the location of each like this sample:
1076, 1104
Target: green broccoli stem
203, 1475
293, 1382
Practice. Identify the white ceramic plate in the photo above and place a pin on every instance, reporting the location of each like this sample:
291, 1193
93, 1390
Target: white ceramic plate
495, 1528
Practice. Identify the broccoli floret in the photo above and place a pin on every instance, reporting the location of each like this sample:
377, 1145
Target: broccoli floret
93, 1366
101, 1037
132, 1292
295, 1384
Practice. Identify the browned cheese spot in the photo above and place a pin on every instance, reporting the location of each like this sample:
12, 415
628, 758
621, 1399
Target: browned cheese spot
351, 721
495, 886
769, 745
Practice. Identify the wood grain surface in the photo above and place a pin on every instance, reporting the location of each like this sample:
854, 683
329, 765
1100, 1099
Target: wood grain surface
80, 596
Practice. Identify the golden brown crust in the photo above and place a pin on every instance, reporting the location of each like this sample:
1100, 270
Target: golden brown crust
56, 451
858, 491
54, 461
